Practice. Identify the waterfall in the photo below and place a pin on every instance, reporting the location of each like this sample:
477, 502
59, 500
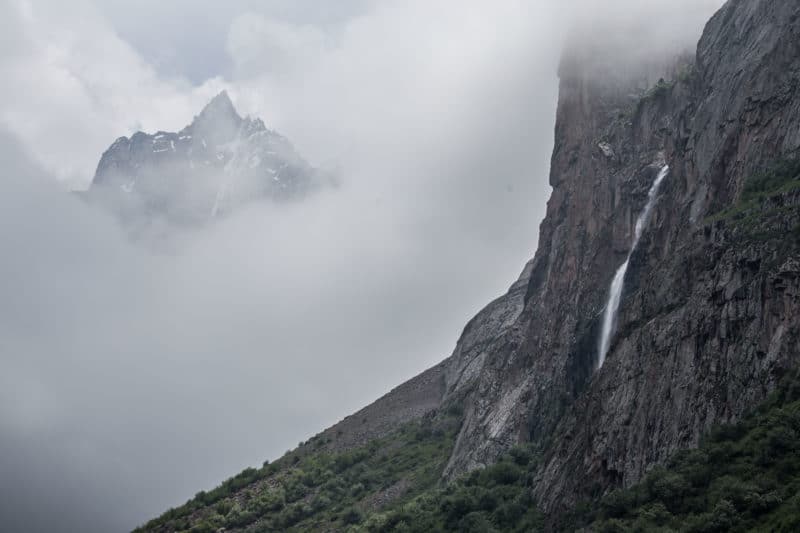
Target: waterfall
615, 291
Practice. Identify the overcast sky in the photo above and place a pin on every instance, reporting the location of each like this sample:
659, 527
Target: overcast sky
130, 379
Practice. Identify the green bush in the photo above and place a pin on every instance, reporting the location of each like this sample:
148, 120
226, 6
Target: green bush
779, 177
660, 89
475, 523
774, 177
352, 516
668, 488
223, 508
293, 514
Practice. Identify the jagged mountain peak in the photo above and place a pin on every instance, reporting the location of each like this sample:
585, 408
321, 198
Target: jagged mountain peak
220, 103
218, 121
217, 162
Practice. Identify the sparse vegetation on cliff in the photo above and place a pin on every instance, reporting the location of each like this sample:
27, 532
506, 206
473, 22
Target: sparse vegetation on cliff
661, 88
780, 177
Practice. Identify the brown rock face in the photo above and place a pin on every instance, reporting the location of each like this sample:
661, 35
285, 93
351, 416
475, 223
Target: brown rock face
710, 312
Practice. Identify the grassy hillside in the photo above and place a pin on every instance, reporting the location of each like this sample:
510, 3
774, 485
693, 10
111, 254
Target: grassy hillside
497, 498
743, 477
313, 489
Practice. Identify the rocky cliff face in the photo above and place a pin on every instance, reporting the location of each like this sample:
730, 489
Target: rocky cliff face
218, 162
709, 318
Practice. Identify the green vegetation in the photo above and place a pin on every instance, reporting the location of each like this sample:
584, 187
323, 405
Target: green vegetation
313, 489
759, 215
744, 477
497, 498
783, 176
661, 88
687, 73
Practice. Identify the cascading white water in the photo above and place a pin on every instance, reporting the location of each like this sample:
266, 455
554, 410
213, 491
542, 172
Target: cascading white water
615, 291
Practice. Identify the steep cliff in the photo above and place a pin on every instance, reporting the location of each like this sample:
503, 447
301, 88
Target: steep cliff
708, 319
709, 314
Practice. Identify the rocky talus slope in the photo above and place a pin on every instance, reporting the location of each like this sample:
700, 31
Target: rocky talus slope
709, 319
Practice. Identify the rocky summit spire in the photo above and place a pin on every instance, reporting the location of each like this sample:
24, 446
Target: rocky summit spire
219, 161
220, 105
219, 121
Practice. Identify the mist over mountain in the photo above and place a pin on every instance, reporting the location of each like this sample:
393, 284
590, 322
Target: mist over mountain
638, 370
219, 162
658, 314
289, 314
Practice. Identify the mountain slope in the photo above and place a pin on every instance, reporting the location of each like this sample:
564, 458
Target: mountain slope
709, 314
218, 162
316, 489
743, 477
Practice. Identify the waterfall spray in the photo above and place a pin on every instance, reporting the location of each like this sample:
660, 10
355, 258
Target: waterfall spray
615, 291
